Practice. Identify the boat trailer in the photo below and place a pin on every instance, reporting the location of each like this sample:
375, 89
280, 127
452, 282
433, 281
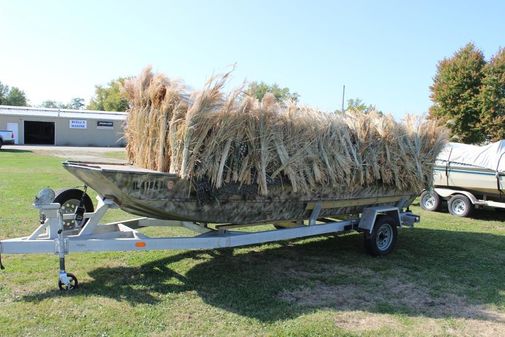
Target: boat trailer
379, 224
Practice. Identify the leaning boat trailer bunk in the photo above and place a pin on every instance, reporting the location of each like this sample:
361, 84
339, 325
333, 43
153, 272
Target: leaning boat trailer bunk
67, 226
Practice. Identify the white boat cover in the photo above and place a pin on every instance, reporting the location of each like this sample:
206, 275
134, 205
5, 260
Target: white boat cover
490, 156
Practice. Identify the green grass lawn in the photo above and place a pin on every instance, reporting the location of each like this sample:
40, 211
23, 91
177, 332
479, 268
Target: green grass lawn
446, 277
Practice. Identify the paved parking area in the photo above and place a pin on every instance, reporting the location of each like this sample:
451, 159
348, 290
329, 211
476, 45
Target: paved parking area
83, 153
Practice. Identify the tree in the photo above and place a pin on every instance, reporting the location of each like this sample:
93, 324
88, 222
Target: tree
456, 94
76, 103
492, 97
259, 90
4, 91
109, 97
50, 104
12, 96
357, 104
16, 97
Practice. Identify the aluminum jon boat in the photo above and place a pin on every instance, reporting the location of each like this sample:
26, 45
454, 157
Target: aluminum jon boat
166, 196
68, 223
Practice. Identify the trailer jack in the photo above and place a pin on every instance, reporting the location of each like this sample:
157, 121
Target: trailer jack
66, 281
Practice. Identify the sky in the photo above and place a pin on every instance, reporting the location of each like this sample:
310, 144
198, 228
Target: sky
384, 52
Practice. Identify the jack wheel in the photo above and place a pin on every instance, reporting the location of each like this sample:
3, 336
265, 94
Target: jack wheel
74, 284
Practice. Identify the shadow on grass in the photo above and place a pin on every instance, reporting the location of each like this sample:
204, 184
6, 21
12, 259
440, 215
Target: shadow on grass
486, 214
434, 273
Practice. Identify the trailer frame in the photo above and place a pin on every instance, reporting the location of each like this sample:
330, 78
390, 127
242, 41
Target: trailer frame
50, 236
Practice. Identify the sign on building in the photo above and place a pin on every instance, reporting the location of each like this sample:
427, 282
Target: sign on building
104, 124
78, 124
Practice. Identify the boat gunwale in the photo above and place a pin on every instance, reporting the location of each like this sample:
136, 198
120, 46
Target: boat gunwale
97, 166
454, 165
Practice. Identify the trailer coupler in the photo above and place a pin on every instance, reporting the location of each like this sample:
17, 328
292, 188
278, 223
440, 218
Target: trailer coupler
409, 219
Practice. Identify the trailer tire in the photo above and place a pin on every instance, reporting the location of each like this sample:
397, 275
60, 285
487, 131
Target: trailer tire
382, 240
1, 143
460, 205
69, 199
430, 201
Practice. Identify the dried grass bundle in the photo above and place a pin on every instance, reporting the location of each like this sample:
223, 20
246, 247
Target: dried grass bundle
234, 138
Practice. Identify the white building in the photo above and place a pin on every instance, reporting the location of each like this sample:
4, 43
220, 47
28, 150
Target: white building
63, 126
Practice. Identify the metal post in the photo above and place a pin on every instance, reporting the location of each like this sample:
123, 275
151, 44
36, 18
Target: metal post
315, 214
343, 97
1, 265
61, 251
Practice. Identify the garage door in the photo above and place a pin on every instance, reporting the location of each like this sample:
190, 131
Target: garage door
39, 133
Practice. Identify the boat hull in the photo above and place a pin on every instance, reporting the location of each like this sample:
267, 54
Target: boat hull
479, 181
167, 196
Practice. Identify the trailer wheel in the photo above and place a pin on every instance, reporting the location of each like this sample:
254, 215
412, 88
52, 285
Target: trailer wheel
69, 201
430, 201
460, 205
1, 143
382, 240
74, 284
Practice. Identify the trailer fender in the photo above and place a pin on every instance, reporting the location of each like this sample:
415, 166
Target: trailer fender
370, 214
446, 193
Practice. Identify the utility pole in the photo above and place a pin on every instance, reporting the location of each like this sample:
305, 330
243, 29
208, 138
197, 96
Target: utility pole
343, 97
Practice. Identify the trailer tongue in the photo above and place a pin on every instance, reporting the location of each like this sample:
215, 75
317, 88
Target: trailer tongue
68, 222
